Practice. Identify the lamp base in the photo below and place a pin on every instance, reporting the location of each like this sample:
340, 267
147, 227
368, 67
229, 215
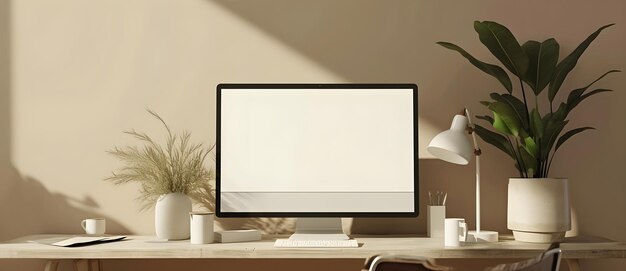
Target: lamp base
482, 236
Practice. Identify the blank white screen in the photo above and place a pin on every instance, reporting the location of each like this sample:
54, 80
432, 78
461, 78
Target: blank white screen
302, 145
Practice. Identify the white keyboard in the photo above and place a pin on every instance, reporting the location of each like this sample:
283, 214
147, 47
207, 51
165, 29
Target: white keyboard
316, 243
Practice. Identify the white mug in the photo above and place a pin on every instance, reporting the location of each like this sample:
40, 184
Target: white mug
94, 226
455, 232
201, 227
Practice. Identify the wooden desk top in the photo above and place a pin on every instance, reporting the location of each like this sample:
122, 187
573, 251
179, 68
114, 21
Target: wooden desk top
146, 247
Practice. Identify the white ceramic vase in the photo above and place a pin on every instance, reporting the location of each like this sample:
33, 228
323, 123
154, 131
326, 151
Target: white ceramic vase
538, 209
171, 216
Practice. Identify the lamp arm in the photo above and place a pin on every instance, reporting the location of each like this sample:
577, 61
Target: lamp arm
470, 125
477, 153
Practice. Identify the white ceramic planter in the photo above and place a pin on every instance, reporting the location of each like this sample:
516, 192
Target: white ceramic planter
538, 209
171, 216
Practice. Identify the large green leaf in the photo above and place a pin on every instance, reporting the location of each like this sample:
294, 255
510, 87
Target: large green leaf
575, 102
569, 62
553, 124
551, 133
531, 146
568, 135
576, 96
558, 115
518, 106
503, 111
503, 45
495, 139
499, 124
536, 125
490, 69
542, 59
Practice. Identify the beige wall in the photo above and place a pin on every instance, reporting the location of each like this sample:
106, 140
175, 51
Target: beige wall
74, 74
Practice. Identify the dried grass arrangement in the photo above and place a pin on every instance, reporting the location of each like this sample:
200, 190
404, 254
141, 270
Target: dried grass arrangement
176, 167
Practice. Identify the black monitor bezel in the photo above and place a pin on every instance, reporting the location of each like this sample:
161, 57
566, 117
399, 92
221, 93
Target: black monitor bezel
223, 86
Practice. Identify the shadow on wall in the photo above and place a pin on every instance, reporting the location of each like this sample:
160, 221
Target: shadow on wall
7, 174
27, 207
360, 46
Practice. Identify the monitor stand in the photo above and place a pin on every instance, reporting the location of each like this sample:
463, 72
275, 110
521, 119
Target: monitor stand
319, 229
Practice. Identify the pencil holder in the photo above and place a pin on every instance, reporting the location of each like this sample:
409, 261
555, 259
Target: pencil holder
435, 220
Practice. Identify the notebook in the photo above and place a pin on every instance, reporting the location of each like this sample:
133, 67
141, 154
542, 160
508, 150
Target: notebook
77, 241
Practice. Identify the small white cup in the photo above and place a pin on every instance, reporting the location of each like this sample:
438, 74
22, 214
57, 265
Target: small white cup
94, 226
455, 232
201, 227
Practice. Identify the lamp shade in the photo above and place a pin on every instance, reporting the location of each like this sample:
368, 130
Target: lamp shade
453, 145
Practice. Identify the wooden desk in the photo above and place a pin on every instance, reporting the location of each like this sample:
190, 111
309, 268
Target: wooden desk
147, 247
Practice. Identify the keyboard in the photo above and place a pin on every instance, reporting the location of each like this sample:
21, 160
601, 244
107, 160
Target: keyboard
316, 243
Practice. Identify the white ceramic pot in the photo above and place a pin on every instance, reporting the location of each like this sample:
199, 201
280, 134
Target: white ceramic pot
171, 216
538, 209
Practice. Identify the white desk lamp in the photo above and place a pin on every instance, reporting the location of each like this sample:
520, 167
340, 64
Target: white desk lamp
454, 147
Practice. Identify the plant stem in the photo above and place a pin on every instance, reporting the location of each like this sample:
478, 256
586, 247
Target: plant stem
551, 111
522, 166
539, 170
516, 157
549, 164
537, 104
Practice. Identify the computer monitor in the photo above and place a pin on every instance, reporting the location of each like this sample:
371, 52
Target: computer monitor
317, 150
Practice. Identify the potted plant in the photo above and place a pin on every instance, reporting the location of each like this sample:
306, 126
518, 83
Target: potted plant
538, 206
168, 175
